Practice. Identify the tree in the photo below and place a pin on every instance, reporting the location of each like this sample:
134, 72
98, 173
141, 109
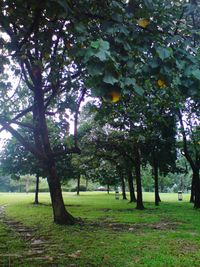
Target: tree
35, 45
57, 48
189, 130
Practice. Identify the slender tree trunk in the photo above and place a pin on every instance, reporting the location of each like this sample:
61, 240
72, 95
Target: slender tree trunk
78, 184
36, 189
155, 172
108, 188
121, 177
196, 188
131, 187
192, 196
193, 163
140, 205
123, 187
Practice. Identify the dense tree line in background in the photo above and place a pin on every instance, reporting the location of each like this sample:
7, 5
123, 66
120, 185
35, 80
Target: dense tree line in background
140, 59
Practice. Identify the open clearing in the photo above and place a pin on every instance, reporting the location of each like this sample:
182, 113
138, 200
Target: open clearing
112, 233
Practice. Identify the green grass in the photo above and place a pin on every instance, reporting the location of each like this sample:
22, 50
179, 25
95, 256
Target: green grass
164, 236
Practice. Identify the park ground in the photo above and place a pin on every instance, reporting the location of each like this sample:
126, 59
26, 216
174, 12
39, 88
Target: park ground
113, 233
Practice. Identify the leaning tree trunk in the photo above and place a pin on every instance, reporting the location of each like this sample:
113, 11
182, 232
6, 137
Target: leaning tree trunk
131, 187
192, 195
60, 214
78, 185
193, 163
36, 189
137, 166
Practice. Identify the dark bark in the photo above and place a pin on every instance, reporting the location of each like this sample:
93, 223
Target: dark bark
196, 188
60, 214
192, 196
108, 188
78, 185
121, 177
155, 173
137, 166
36, 189
123, 187
131, 187
193, 163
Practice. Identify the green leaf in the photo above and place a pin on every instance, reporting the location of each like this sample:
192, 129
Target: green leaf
196, 74
103, 50
95, 44
95, 69
164, 53
129, 81
138, 90
109, 78
80, 27
88, 54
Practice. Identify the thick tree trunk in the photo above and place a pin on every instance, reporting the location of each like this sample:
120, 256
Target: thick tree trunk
196, 188
192, 196
78, 185
36, 189
61, 216
131, 187
137, 166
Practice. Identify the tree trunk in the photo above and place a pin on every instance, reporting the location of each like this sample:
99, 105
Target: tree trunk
78, 185
131, 187
121, 177
108, 188
36, 189
193, 163
155, 172
123, 187
192, 196
140, 205
61, 216
196, 188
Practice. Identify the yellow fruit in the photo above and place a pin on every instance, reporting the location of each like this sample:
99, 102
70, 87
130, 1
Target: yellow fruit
161, 83
115, 96
143, 23
112, 96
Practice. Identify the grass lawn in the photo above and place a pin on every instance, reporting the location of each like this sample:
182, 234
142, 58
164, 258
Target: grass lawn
115, 234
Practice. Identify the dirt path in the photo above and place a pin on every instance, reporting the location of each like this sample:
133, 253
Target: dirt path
37, 249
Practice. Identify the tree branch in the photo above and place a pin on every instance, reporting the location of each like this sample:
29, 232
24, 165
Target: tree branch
21, 139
